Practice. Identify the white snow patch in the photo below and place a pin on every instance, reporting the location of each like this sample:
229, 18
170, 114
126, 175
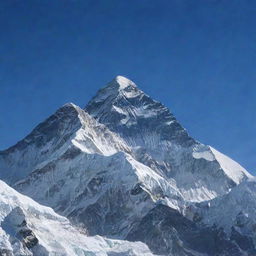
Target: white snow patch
232, 169
205, 154
124, 82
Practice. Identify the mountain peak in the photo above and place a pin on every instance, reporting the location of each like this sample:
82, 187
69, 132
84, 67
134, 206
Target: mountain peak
127, 110
120, 85
123, 82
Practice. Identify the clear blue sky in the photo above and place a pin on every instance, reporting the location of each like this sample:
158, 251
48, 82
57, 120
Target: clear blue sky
198, 57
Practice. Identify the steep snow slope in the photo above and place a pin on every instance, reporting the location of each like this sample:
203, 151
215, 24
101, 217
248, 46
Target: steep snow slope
28, 228
232, 169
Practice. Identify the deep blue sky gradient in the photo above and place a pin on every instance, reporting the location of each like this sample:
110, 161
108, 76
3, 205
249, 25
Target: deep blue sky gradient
198, 57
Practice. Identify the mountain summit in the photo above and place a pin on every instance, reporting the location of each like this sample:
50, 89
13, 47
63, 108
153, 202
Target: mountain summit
123, 167
125, 109
123, 82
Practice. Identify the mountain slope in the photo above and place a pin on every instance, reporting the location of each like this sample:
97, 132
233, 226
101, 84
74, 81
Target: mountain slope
234, 212
69, 127
156, 137
28, 228
237, 206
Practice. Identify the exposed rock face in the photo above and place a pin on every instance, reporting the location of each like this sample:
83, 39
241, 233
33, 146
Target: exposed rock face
125, 168
15, 222
168, 232
5, 252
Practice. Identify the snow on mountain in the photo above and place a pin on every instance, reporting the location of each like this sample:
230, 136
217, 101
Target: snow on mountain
122, 166
45, 141
78, 184
238, 208
125, 109
158, 140
92, 168
232, 169
69, 126
28, 228
234, 212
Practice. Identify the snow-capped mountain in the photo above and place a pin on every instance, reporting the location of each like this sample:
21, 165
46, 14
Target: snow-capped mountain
125, 168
